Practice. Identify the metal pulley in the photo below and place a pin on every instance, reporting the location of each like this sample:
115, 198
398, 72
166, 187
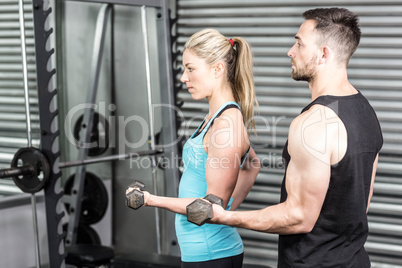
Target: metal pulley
30, 170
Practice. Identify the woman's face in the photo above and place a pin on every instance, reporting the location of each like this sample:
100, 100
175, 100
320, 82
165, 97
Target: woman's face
198, 76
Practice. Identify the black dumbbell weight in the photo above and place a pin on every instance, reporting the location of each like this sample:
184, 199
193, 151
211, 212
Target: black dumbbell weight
135, 198
200, 210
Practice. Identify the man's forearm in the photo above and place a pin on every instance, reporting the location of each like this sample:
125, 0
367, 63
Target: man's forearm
273, 219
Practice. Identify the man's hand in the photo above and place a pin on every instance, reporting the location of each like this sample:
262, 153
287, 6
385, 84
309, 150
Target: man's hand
200, 211
219, 214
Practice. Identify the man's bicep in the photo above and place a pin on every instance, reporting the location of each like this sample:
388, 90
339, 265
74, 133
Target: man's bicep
308, 173
308, 177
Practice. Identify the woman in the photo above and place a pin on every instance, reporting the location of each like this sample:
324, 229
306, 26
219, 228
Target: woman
217, 158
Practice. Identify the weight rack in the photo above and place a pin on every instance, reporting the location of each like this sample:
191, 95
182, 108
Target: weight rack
48, 113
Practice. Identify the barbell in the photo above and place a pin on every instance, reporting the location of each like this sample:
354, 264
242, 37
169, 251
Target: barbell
30, 168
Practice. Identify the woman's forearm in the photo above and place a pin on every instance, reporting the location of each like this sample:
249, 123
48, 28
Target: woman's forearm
176, 205
243, 186
245, 180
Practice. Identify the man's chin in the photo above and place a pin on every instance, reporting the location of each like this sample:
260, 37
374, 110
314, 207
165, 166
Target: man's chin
300, 78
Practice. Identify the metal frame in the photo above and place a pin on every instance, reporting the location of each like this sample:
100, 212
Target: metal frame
49, 134
76, 194
148, 3
169, 118
48, 116
28, 121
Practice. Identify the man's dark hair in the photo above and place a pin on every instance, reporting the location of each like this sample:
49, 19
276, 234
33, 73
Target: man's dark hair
338, 28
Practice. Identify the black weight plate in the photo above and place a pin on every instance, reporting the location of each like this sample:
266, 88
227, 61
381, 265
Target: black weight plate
37, 180
85, 234
94, 199
99, 136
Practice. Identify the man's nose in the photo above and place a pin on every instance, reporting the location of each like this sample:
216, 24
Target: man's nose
291, 53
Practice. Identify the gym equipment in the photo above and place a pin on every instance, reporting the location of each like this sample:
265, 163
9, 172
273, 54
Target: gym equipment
85, 234
200, 210
95, 160
135, 198
37, 158
99, 134
30, 168
214, 199
87, 122
151, 122
48, 112
34, 172
94, 200
88, 251
82, 255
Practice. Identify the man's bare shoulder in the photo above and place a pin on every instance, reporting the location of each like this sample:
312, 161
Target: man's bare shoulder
316, 133
315, 118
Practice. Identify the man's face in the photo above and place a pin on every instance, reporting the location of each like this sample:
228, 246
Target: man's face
303, 53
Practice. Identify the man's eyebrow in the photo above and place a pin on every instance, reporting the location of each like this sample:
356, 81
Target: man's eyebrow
187, 64
297, 37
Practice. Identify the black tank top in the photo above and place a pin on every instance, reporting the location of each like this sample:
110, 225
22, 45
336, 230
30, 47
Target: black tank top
338, 237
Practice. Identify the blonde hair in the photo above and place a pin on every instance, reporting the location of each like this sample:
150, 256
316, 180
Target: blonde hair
212, 46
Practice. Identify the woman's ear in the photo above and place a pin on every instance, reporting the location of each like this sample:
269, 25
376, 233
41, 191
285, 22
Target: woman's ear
219, 69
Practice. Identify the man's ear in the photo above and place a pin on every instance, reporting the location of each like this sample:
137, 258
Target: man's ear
325, 55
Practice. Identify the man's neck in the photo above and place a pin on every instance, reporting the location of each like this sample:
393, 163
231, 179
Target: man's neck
334, 83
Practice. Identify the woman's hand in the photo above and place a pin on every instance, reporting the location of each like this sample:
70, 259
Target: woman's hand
147, 195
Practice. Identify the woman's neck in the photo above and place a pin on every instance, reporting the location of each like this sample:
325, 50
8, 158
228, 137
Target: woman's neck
217, 99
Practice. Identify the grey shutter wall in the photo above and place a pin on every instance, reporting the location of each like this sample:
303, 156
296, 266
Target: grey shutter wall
375, 69
13, 126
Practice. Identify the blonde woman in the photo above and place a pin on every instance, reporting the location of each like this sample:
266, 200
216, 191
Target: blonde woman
218, 158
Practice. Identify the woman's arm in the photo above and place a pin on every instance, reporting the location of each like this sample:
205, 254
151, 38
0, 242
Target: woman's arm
247, 176
226, 142
176, 205
225, 146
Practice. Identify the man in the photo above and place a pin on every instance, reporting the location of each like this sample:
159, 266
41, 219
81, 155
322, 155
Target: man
330, 158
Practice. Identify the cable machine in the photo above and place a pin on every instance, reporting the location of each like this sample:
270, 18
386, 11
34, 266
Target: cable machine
34, 169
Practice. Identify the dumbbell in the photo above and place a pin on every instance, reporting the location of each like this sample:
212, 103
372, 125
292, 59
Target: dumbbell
135, 198
200, 210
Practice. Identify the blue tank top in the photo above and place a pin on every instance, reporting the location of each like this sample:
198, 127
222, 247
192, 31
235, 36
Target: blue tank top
209, 241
